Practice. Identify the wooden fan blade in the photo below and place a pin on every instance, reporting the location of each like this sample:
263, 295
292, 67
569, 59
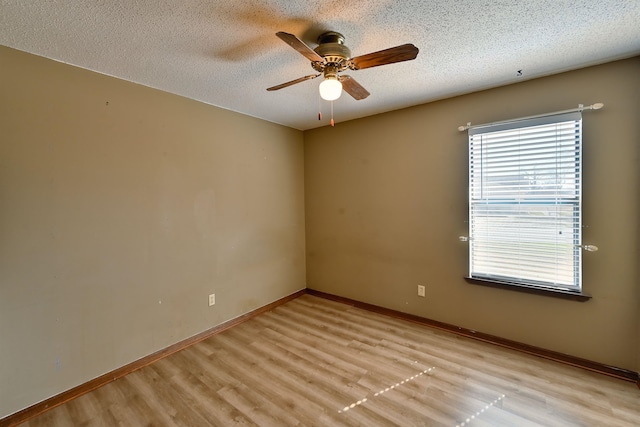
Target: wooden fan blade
292, 82
299, 45
353, 88
405, 52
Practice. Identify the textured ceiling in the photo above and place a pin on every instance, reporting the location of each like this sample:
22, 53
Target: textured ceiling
225, 53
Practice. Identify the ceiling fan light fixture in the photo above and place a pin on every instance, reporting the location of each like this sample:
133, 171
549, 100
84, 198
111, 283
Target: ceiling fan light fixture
331, 57
330, 89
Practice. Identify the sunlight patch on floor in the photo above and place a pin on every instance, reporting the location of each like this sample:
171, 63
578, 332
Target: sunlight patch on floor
384, 390
477, 414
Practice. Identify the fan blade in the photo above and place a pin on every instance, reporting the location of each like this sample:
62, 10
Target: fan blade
405, 52
353, 88
299, 45
292, 82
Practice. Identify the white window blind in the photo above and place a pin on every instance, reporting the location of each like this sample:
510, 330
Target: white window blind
525, 201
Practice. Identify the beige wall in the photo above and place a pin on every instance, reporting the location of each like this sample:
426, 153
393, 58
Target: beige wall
121, 209
386, 199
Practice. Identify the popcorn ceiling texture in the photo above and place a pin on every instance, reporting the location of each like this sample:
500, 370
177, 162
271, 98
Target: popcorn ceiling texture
225, 53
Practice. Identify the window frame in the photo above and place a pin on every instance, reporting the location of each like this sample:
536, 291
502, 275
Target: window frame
513, 281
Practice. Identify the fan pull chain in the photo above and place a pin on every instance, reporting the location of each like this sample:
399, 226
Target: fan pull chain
332, 122
319, 108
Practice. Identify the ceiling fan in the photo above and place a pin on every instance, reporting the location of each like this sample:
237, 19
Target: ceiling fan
332, 57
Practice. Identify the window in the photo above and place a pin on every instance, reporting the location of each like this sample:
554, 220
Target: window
525, 202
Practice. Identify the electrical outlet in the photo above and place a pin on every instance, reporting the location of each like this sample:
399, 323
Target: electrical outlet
420, 290
212, 300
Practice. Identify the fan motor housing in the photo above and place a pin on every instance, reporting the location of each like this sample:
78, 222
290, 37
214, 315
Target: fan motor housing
331, 47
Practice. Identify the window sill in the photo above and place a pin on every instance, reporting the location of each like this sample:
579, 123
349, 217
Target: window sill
557, 293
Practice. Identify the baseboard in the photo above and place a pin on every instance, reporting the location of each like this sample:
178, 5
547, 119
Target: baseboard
601, 368
57, 400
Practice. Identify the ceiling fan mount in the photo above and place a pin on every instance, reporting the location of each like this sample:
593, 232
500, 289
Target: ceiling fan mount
332, 57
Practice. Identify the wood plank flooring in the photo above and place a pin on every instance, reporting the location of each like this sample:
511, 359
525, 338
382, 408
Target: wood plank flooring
315, 362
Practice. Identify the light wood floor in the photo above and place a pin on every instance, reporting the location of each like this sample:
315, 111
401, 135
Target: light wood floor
314, 362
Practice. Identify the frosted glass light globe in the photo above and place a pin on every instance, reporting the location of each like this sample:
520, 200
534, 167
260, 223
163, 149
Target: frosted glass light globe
330, 89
